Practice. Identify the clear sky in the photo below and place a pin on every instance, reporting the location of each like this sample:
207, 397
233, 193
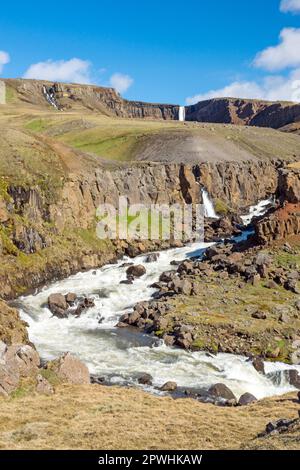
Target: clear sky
159, 51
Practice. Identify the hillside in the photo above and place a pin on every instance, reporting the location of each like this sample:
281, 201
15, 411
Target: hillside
93, 99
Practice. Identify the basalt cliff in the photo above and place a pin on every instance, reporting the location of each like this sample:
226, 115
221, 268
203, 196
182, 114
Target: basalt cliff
245, 112
47, 236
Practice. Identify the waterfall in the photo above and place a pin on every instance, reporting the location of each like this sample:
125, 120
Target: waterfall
181, 115
209, 210
50, 96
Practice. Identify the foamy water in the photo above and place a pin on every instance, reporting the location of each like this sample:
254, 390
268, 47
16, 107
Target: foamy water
121, 355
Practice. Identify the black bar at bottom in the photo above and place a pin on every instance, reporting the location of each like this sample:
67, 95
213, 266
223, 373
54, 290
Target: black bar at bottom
133, 459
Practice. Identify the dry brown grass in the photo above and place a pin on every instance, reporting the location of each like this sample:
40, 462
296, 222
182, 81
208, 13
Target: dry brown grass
295, 165
96, 417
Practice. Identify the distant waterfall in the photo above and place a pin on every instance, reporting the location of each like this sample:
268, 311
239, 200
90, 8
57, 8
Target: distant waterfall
181, 115
209, 210
50, 96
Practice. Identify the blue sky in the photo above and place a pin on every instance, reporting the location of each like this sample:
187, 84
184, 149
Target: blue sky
160, 51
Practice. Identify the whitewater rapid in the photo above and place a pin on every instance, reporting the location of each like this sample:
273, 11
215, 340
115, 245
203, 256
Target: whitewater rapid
121, 355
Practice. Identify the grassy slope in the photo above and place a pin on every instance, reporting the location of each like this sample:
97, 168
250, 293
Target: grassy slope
127, 139
93, 417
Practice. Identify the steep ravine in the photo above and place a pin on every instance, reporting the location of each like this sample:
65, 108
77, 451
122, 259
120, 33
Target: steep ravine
44, 240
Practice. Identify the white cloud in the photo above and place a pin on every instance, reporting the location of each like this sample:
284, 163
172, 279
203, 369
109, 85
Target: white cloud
120, 82
235, 89
292, 6
273, 88
73, 70
4, 59
284, 55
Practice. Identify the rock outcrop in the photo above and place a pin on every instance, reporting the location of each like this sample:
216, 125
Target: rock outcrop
244, 112
16, 362
89, 97
108, 102
12, 328
284, 222
70, 369
71, 211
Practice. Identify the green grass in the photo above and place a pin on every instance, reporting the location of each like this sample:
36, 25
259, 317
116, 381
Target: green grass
221, 207
38, 125
11, 95
285, 259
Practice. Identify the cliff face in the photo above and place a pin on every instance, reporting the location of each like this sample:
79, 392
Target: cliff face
237, 185
284, 222
44, 240
107, 101
244, 112
104, 100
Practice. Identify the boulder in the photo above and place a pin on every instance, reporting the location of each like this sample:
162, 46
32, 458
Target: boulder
136, 271
246, 399
274, 426
259, 365
24, 357
293, 377
58, 305
169, 340
167, 276
186, 267
182, 286
291, 285
9, 379
70, 369
71, 298
169, 387
221, 391
259, 315
145, 379
263, 259
43, 386
152, 257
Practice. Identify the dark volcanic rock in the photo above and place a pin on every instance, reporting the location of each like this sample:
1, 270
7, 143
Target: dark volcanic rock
145, 379
58, 305
293, 377
169, 387
246, 399
258, 364
221, 391
136, 271
71, 298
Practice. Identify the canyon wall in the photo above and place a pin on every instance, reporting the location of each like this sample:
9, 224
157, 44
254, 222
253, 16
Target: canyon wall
94, 98
285, 221
107, 101
237, 185
43, 241
244, 112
